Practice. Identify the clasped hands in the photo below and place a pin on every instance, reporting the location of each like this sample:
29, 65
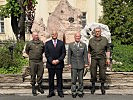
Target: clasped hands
55, 62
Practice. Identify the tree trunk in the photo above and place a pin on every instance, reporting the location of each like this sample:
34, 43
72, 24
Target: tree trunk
14, 24
22, 20
22, 27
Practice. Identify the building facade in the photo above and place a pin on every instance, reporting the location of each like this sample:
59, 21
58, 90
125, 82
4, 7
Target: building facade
91, 10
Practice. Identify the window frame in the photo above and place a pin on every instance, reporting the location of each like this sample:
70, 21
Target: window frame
83, 19
2, 28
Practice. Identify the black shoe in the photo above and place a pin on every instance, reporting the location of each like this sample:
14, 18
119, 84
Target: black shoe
93, 90
34, 94
34, 91
50, 95
40, 89
23, 78
74, 95
102, 90
80, 95
61, 95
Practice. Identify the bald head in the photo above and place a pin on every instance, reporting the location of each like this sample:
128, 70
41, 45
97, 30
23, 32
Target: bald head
35, 36
54, 35
77, 37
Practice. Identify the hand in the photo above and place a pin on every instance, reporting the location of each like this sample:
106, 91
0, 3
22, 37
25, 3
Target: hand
54, 62
86, 65
70, 66
57, 61
89, 63
108, 62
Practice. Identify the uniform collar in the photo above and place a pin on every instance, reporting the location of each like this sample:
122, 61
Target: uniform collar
78, 43
37, 41
98, 39
54, 41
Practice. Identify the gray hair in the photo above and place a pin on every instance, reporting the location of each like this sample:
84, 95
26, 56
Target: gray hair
96, 28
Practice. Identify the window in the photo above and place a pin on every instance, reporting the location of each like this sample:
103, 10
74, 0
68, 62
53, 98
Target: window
1, 24
49, 13
83, 18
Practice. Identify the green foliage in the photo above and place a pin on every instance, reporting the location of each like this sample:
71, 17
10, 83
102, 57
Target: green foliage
118, 15
9, 65
11, 7
123, 54
30, 2
19, 11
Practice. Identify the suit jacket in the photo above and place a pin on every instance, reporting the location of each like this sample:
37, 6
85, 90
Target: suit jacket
77, 56
53, 53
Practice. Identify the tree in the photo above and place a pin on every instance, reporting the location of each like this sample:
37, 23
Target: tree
19, 10
118, 15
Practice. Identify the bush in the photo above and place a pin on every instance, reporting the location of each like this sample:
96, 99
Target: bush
118, 15
123, 54
9, 65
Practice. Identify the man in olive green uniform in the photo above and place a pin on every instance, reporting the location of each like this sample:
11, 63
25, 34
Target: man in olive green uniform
77, 60
99, 52
35, 50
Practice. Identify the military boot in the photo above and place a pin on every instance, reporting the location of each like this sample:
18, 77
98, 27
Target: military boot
102, 89
34, 90
93, 88
23, 77
40, 89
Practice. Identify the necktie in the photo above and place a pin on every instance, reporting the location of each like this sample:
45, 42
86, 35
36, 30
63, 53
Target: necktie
55, 43
77, 44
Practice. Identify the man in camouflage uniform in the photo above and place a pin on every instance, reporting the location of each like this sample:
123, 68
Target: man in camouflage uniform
99, 52
35, 50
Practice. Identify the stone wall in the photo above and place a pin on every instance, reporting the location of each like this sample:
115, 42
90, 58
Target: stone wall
66, 20
112, 77
120, 79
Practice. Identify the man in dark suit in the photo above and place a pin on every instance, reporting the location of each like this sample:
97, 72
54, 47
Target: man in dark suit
55, 53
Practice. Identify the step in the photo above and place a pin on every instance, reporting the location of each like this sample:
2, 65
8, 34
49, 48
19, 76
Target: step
118, 80
27, 92
66, 85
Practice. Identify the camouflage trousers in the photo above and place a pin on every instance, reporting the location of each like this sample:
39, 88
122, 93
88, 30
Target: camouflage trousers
34, 69
95, 63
